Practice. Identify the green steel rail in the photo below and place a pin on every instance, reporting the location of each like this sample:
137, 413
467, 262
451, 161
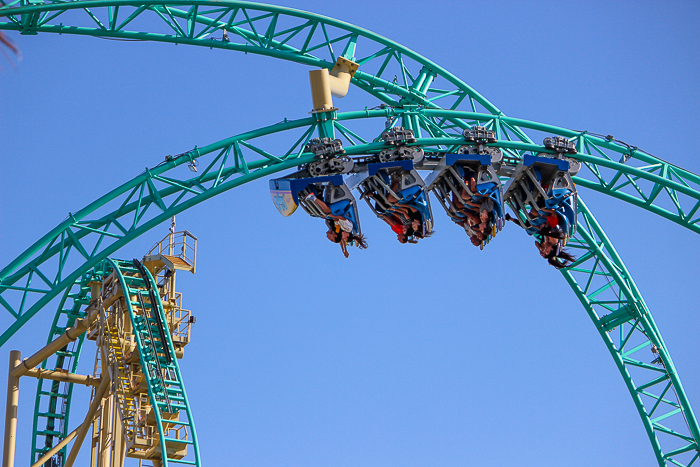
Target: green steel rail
608, 293
599, 278
404, 81
95, 232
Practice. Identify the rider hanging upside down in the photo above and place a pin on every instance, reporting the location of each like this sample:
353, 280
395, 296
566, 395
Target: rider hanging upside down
405, 220
402, 231
481, 225
339, 228
411, 217
549, 238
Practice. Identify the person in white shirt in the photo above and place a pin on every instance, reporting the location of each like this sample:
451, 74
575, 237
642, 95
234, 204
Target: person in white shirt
339, 228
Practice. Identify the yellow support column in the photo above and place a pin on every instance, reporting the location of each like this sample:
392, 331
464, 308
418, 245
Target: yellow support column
8, 458
92, 411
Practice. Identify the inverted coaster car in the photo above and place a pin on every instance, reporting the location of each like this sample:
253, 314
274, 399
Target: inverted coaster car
336, 198
468, 188
395, 188
543, 183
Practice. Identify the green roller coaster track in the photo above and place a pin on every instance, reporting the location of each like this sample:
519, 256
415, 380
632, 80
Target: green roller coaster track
166, 389
56, 263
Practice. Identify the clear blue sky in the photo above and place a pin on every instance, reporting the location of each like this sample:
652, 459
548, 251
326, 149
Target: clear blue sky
434, 354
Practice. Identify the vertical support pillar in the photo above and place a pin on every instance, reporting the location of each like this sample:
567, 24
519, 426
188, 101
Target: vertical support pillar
325, 120
321, 90
95, 287
423, 81
95, 442
410, 120
94, 405
171, 293
119, 449
104, 450
171, 246
8, 457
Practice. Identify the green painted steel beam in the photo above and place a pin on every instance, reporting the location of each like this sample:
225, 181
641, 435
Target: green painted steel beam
635, 334
44, 429
599, 277
78, 226
606, 290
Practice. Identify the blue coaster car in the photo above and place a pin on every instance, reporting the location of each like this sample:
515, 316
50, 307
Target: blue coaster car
450, 179
375, 182
290, 193
542, 183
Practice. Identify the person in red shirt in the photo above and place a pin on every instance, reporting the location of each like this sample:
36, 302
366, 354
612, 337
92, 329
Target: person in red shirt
396, 225
395, 217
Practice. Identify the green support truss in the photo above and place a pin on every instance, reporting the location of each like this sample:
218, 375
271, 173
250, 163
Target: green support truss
403, 81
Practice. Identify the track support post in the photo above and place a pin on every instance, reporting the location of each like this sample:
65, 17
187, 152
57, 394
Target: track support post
8, 458
87, 423
324, 122
410, 119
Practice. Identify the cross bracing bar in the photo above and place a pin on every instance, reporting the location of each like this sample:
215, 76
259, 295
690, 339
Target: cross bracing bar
599, 278
141, 205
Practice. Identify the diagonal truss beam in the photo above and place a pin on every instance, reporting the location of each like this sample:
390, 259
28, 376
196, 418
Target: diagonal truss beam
156, 194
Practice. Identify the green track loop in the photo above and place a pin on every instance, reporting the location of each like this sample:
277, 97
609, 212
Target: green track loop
163, 196
437, 115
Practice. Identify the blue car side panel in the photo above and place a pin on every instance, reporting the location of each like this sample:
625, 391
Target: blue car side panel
295, 185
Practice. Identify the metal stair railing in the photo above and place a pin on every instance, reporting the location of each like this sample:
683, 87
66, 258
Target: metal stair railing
120, 375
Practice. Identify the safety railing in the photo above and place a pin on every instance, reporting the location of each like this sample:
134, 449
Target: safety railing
178, 244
